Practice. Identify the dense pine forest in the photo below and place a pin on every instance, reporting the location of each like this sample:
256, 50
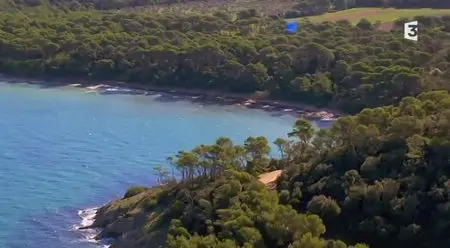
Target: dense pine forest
348, 67
279, 7
378, 178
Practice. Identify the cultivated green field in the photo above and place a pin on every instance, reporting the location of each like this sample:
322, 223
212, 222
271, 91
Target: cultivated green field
385, 15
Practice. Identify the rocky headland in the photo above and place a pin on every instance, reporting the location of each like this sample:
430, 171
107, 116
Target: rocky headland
142, 217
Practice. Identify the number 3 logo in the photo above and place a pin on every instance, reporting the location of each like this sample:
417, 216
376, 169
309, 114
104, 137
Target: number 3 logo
413, 30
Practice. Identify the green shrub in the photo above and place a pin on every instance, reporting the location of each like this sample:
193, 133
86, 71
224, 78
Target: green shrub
134, 190
150, 203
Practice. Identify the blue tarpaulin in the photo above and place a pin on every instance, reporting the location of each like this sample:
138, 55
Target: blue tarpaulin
291, 27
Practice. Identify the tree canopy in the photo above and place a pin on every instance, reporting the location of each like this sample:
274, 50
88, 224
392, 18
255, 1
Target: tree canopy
275, 8
217, 202
348, 67
380, 176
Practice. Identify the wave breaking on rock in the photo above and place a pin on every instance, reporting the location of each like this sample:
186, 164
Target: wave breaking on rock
85, 227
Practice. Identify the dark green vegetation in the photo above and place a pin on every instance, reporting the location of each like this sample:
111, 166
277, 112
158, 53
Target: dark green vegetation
285, 8
217, 203
334, 64
380, 177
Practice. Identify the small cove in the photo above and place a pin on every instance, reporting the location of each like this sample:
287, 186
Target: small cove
63, 150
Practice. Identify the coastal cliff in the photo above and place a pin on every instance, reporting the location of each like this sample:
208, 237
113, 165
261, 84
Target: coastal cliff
236, 210
140, 218
136, 220
224, 198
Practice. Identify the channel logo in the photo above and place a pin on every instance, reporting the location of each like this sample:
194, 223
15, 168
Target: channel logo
411, 31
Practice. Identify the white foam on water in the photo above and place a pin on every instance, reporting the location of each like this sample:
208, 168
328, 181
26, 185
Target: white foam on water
87, 219
87, 216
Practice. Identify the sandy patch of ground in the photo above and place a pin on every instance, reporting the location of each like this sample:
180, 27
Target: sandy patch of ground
270, 177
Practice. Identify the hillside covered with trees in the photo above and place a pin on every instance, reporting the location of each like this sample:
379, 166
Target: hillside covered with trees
380, 177
348, 67
218, 203
287, 8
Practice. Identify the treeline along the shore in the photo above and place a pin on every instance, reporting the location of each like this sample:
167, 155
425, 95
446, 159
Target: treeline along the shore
380, 177
348, 67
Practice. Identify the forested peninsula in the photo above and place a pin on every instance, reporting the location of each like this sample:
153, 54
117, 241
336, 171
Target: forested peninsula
378, 178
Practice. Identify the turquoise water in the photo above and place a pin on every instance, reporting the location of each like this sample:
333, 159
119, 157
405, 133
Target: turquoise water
64, 150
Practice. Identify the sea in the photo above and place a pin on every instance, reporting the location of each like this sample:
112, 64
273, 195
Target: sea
65, 151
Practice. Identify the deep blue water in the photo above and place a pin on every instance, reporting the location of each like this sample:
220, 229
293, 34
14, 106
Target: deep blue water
64, 150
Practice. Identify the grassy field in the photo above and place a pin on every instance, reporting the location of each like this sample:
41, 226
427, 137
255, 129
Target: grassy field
385, 15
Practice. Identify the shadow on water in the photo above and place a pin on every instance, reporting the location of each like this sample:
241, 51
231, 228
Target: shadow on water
168, 96
223, 101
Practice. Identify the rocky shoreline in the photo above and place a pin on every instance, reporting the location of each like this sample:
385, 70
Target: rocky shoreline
196, 95
88, 217
119, 223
